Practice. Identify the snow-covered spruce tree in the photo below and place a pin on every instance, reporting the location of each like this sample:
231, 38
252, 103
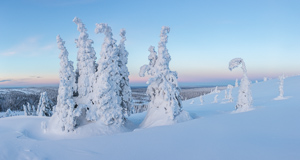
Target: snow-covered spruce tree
216, 90
29, 110
281, 79
225, 95
64, 113
8, 113
86, 57
106, 97
25, 110
216, 99
125, 90
45, 105
229, 95
165, 103
201, 100
192, 101
245, 98
236, 83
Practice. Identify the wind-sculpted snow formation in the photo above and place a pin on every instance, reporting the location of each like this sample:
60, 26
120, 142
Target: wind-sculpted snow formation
165, 106
245, 98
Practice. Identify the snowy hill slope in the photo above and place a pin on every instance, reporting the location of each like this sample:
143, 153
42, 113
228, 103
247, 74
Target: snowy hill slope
270, 131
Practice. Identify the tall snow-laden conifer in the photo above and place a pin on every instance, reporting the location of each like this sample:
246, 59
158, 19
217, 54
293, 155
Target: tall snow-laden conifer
65, 104
163, 89
245, 98
106, 97
125, 90
86, 57
45, 105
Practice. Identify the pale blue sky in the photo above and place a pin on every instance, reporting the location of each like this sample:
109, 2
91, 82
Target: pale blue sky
204, 36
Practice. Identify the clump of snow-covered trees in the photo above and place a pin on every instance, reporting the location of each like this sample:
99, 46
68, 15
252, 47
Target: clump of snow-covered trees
29, 110
244, 98
44, 107
103, 89
165, 106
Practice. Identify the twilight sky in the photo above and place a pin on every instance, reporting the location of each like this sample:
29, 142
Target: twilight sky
205, 35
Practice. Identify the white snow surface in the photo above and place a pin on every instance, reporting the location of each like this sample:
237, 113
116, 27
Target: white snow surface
269, 131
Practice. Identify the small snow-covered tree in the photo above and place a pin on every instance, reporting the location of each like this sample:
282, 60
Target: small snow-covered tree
216, 99
125, 90
64, 110
225, 95
106, 97
8, 113
45, 105
265, 79
229, 95
216, 90
165, 101
86, 57
281, 78
25, 110
29, 110
245, 98
236, 83
201, 100
281, 92
192, 101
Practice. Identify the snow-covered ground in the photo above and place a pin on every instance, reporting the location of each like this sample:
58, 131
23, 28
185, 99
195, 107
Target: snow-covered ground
269, 131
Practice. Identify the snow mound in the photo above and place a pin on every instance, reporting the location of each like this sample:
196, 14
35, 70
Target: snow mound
157, 117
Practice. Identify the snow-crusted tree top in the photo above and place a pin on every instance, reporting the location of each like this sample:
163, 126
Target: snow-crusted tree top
158, 62
235, 63
282, 77
103, 28
61, 46
229, 86
83, 40
163, 53
81, 26
122, 34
